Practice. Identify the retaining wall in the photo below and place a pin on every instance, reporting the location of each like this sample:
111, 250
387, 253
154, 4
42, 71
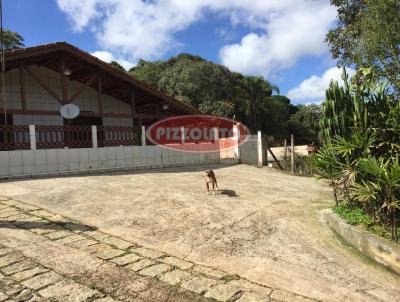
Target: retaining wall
379, 249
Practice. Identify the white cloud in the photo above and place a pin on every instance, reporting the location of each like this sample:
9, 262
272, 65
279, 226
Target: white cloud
313, 88
107, 57
80, 12
281, 31
291, 33
225, 34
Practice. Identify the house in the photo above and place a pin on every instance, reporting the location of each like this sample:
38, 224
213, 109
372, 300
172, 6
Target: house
40, 80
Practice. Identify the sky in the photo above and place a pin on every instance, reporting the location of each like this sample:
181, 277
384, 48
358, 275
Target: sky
281, 40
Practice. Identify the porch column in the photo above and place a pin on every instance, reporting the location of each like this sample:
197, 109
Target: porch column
182, 135
143, 135
94, 136
32, 137
215, 134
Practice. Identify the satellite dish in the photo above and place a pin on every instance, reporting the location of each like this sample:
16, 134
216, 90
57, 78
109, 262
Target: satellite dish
69, 111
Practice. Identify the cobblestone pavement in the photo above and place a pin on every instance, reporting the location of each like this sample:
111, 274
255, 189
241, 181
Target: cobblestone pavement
47, 257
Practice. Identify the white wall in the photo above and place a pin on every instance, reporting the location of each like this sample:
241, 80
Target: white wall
13, 91
36, 97
248, 152
112, 105
39, 99
63, 161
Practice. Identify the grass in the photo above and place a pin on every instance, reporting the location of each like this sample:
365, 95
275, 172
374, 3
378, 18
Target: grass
354, 216
357, 216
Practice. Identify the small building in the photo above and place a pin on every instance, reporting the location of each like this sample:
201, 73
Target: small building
40, 80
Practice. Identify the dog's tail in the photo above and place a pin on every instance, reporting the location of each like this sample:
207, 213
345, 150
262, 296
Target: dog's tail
216, 184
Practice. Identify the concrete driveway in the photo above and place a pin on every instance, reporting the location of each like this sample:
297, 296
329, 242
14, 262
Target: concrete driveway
263, 225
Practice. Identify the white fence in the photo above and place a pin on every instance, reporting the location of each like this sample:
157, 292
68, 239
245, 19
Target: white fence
63, 161
279, 152
27, 163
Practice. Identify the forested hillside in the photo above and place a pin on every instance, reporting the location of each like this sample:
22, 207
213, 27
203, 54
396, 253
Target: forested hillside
216, 90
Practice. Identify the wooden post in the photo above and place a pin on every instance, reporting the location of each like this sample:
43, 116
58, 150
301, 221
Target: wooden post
41, 83
81, 89
133, 106
22, 88
285, 152
292, 152
99, 93
274, 157
64, 90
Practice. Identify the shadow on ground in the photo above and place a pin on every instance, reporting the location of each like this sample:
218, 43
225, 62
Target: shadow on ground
125, 171
229, 193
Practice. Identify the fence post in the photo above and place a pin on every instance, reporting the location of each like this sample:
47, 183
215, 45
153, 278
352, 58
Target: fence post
260, 151
143, 136
32, 137
292, 152
94, 136
182, 135
285, 149
285, 153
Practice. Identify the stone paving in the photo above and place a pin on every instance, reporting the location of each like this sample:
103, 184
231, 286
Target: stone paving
23, 279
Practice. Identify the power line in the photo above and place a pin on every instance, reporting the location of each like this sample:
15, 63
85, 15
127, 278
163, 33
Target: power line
3, 64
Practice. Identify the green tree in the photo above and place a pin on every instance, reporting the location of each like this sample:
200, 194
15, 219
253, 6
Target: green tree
117, 65
149, 72
196, 81
368, 34
12, 40
255, 93
216, 90
304, 124
273, 117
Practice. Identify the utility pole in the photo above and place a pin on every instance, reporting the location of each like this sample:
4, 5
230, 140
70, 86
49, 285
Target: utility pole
3, 64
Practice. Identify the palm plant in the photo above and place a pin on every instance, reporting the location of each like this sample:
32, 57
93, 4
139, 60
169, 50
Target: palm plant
326, 165
360, 127
381, 187
345, 153
257, 90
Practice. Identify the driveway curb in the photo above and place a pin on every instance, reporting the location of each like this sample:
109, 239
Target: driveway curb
378, 249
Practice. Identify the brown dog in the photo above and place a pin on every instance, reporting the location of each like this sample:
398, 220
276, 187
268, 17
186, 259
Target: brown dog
211, 179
